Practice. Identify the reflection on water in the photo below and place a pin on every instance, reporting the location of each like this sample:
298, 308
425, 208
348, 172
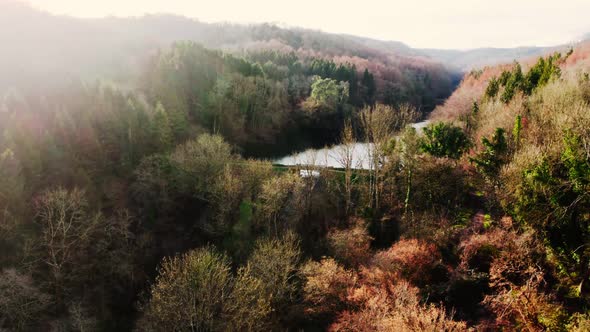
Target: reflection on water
333, 156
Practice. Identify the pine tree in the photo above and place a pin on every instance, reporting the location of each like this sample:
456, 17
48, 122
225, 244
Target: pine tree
370, 87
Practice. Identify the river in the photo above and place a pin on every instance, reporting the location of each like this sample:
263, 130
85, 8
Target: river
331, 156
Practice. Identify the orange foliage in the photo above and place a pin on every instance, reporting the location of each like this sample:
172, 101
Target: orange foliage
411, 259
514, 263
395, 307
474, 84
326, 287
471, 89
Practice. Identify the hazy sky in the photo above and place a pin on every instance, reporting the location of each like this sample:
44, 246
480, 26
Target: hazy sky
419, 23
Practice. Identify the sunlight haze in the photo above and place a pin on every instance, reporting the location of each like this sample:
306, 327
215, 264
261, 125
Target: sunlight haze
459, 24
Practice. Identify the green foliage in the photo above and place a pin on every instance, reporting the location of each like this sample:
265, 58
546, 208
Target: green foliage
370, 86
514, 81
541, 73
513, 84
444, 140
474, 108
492, 157
516, 131
161, 129
327, 94
553, 198
577, 162
493, 88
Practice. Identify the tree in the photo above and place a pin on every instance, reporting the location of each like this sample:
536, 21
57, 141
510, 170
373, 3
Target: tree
489, 161
280, 203
516, 131
514, 83
12, 185
444, 140
21, 303
346, 158
248, 307
327, 94
196, 291
200, 163
162, 129
380, 124
275, 262
190, 292
493, 88
67, 226
368, 81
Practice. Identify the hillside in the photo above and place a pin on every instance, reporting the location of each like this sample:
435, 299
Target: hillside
481, 57
529, 123
43, 49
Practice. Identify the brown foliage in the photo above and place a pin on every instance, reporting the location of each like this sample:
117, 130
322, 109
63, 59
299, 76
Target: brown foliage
518, 299
351, 246
478, 250
395, 307
411, 259
326, 286
525, 307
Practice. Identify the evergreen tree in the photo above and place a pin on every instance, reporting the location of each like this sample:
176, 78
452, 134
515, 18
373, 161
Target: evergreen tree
161, 128
444, 140
489, 161
370, 87
493, 88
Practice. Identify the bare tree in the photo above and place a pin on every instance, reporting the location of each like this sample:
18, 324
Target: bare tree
380, 124
345, 157
66, 225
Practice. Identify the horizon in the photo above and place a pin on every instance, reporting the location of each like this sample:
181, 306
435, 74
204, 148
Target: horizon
456, 26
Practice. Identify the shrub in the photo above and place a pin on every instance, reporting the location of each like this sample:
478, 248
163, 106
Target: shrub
479, 250
326, 286
412, 259
351, 246
398, 309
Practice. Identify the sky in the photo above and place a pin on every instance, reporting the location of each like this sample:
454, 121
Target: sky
456, 24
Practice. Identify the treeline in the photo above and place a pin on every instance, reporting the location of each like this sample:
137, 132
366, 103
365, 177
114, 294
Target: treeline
260, 99
115, 49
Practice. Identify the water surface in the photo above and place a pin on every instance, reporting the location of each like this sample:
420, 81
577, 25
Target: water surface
332, 156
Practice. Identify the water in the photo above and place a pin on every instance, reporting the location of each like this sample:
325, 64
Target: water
332, 156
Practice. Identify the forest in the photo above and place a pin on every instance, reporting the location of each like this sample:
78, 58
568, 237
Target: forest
152, 203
